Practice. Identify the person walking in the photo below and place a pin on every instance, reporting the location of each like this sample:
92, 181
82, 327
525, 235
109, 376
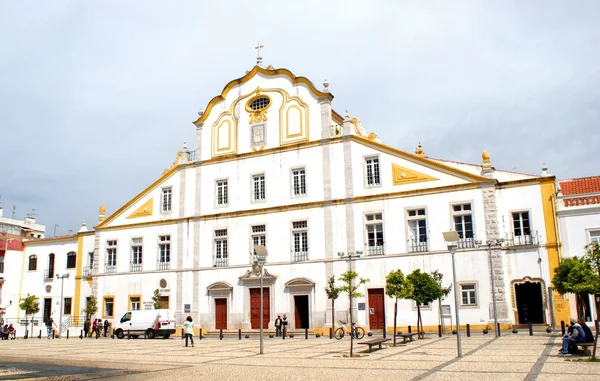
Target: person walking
49, 324
278, 323
94, 327
189, 331
105, 327
86, 328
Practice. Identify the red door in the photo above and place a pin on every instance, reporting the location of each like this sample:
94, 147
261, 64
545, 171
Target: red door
376, 312
255, 308
220, 313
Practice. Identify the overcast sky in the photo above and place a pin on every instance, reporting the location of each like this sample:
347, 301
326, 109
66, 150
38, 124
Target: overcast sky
96, 97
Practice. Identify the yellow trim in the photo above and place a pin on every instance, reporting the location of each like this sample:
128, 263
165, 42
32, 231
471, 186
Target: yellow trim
143, 211
134, 296
402, 175
337, 118
562, 310
217, 130
21, 280
140, 195
78, 271
71, 238
258, 116
259, 70
104, 305
287, 122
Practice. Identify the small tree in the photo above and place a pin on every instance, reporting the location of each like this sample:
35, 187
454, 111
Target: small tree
397, 287
156, 299
425, 290
333, 293
91, 307
30, 304
438, 276
349, 287
592, 254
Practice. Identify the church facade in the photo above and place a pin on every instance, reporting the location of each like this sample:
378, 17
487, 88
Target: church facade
275, 166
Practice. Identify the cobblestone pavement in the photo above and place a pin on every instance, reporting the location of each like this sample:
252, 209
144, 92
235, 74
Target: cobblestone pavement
510, 357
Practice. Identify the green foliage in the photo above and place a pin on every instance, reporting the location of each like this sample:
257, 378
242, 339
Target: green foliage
92, 306
438, 276
575, 275
425, 288
397, 286
332, 291
592, 254
156, 299
30, 304
347, 278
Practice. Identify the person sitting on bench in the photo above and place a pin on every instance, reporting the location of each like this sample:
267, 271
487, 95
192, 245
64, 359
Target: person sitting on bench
589, 336
576, 336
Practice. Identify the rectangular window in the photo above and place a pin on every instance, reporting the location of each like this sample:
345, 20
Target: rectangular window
222, 195
166, 200
595, 236
164, 252
111, 256
372, 166
469, 294
108, 307
32, 263
71, 260
259, 192
374, 227
522, 234
67, 306
187, 308
417, 230
136, 254
259, 236
135, 303
300, 240
220, 257
299, 182
462, 215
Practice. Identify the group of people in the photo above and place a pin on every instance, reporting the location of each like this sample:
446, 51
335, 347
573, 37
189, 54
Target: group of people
8, 332
577, 333
97, 327
280, 324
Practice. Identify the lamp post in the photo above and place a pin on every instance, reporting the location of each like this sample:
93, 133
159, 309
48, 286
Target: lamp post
452, 239
349, 256
62, 284
259, 262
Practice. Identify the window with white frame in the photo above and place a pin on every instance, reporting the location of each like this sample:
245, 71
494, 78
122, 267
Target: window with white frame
374, 227
67, 306
372, 171
166, 200
468, 292
258, 188
259, 236
426, 305
299, 181
462, 216
136, 254
417, 229
135, 303
111, 256
594, 236
164, 252
522, 234
300, 240
222, 193
220, 258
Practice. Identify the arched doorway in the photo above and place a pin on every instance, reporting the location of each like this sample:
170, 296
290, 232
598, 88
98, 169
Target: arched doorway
529, 301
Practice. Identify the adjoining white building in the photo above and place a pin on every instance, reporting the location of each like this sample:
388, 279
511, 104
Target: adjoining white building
579, 215
276, 166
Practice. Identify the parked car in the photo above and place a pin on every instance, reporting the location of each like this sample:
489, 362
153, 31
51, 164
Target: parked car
152, 323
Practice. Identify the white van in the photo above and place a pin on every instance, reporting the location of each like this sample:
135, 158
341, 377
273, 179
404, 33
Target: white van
150, 322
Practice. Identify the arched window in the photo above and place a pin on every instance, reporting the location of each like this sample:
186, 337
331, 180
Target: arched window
50, 266
32, 262
71, 260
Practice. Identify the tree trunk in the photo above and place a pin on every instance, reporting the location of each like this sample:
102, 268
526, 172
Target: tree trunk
440, 314
419, 320
332, 317
395, 315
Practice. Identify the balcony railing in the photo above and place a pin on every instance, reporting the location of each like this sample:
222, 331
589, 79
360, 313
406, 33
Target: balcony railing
375, 250
220, 262
87, 271
110, 268
530, 239
417, 246
48, 275
466, 243
299, 256
191, 155
135, 267
163, 265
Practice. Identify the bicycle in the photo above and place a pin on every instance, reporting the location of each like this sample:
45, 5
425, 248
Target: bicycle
357, 332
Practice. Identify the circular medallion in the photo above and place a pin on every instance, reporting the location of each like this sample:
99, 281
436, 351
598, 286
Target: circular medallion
48, 288
163, 283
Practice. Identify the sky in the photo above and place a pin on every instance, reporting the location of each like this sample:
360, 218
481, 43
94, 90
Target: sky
97, 97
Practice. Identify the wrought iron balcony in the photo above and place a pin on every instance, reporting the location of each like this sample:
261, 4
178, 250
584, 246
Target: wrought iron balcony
417, 246
87, 271
375, 250
135, 267
48, 275
220, 262
466, 243
299, 256
110, 268
530, 239
163, 265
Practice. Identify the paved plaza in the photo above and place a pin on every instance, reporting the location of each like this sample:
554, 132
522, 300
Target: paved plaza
510, 357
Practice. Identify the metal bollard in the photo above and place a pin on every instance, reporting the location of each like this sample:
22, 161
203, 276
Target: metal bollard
128, 335
499, 334
306, 333
52, 334
562, 327
439, 330
67, 334
468, 330
40, 335
200, 334
81, 334
181, 333
221, 334
240, 334
331, 332
409, 329
530, 329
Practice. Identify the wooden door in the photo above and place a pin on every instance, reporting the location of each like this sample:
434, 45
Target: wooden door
221, 313
255, 308
47, 310
301, 311
376, 313
164, 302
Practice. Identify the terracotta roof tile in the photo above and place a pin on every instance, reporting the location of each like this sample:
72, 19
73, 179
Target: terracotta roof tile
583, 185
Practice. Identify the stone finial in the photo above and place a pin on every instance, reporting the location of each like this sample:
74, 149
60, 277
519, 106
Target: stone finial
419, 151
486, 169
346, 116
83, 227
544, 170
201, 112
185, 147
101, 215
325, 86
270, 67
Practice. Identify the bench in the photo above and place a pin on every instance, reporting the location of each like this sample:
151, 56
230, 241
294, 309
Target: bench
372, 342
405, 336
585, 347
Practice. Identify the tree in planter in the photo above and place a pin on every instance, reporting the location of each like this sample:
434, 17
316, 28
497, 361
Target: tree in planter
592, 253
438, 276
397, 287
91, 307
156, 299
333, 293
351, 289
30, 304
425, 290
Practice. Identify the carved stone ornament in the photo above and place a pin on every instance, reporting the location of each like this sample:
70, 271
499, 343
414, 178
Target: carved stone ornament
48, 288
163, 283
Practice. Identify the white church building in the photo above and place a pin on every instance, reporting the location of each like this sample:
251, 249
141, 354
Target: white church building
275, 165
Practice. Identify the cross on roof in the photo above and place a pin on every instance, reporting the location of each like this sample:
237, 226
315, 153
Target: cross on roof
258, 56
